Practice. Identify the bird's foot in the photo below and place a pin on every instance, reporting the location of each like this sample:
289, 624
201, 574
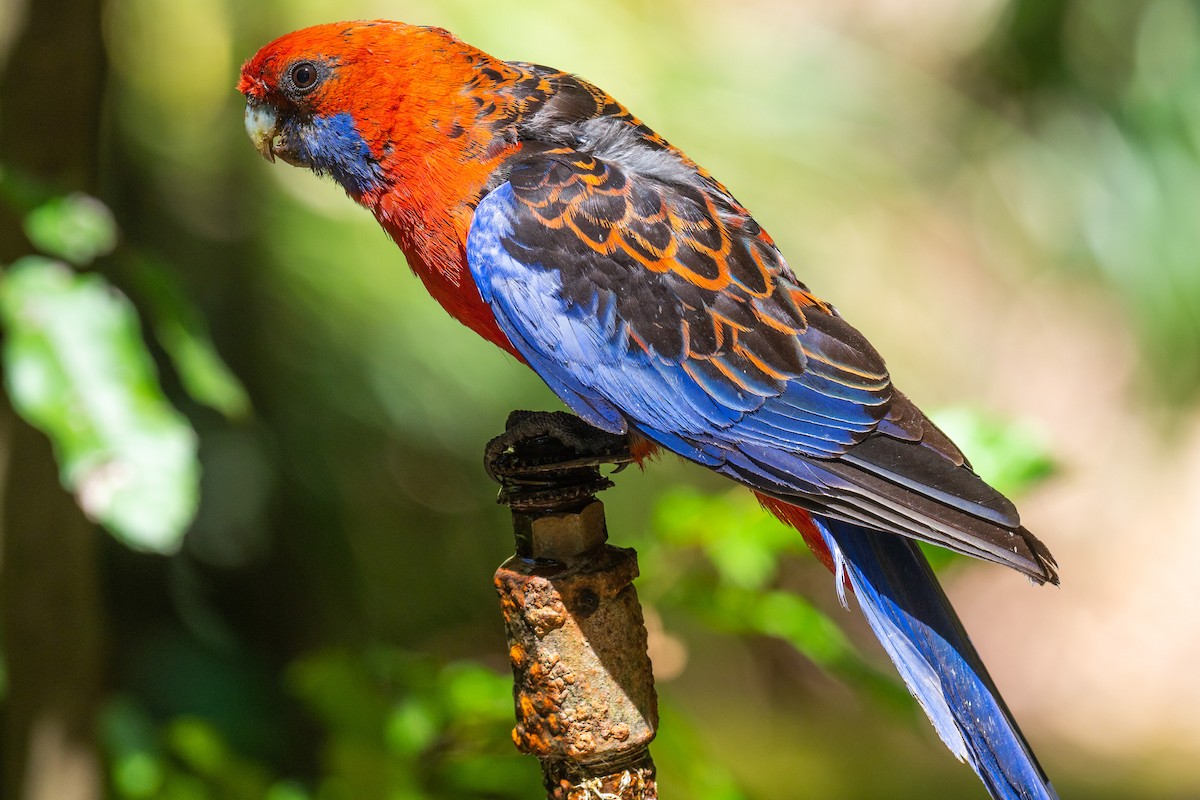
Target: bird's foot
551, 458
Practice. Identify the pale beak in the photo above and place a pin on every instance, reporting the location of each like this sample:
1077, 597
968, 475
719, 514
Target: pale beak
262, 125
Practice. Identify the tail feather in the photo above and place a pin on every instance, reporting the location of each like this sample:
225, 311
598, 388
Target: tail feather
914, 621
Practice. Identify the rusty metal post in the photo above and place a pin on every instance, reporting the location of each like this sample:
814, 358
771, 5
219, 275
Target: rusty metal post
582, 681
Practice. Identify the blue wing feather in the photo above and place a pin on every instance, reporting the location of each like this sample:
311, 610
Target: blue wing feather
911, 616
571, 348
587, 359
791, 409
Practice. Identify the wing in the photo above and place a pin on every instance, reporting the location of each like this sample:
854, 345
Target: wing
660, 305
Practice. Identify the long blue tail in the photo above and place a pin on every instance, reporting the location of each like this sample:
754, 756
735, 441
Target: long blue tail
910, 614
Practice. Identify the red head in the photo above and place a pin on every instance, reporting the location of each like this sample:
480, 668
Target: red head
352, 99
403, 118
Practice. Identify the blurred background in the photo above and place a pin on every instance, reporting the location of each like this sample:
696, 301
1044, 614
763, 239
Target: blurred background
281, 587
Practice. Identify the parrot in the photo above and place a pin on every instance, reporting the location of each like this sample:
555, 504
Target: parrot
546, 217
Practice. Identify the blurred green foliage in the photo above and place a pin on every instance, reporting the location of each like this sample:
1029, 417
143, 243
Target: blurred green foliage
1103, 169
76, 367
183, 334
1010, 455
396, 724
76, 228
718, 557
404, 727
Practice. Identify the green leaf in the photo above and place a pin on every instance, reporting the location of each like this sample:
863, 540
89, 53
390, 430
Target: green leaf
204, 375
412, 726
137, 774
742, 541
137, 766
77, 369
474, 692
286, 790
199, 745
77, 228
795, 620
182, 332
744, 545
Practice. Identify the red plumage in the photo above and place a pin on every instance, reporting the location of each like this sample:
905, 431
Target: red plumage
436, 156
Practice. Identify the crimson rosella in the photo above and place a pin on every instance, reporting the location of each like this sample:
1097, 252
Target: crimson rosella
543, 215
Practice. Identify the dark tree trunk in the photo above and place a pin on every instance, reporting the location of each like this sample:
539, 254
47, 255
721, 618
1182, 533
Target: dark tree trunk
50, 601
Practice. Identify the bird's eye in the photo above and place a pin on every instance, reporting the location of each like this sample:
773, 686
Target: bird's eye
303, 76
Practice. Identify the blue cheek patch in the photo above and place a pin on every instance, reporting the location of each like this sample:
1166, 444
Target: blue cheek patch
336, 148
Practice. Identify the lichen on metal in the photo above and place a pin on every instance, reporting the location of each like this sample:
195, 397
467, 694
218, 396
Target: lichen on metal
583, 685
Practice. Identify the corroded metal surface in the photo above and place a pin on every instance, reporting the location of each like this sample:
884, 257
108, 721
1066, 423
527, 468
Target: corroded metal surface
635, 780
578, 648
560, 536
583, 686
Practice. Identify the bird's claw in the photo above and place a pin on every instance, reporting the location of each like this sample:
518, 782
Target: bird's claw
552, 457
